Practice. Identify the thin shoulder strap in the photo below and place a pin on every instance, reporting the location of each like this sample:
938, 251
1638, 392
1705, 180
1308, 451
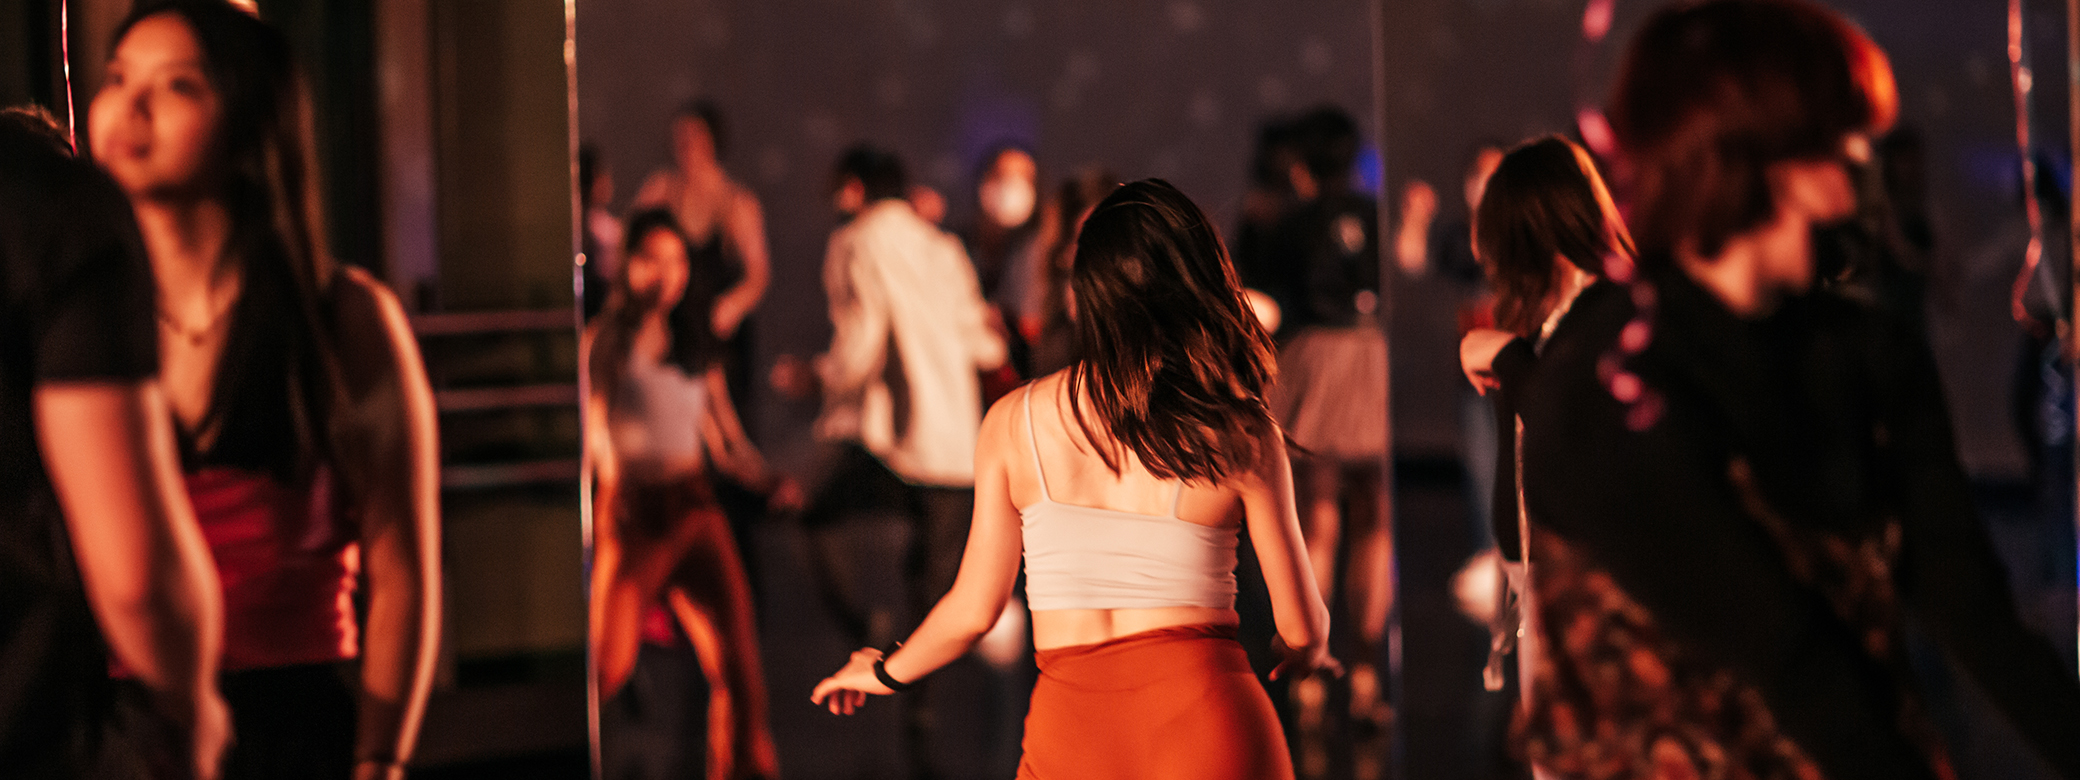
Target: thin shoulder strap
1177, 500
1034, 439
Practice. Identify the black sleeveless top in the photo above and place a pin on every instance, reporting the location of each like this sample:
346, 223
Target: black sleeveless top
710, 271
270, 403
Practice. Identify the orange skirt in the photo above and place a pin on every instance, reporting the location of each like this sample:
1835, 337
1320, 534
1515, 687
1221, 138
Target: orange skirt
1178, 702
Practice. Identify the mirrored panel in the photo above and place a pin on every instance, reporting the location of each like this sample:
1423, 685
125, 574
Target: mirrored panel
1938, 247
849, 227
357, 218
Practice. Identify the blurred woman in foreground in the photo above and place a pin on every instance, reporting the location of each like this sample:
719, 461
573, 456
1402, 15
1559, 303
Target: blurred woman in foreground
306, 426
1738, 487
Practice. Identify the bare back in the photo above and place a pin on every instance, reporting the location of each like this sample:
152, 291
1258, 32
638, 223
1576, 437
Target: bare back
1076, 476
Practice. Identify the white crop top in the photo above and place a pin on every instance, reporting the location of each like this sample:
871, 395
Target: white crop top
655, 417
1080, 557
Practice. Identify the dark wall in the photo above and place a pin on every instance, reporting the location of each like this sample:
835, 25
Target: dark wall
1170, 89
1175, 89
31, 65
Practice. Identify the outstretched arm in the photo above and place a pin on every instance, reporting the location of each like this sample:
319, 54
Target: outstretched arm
723, 433
109, 450
394, 464
746, 227
1274, 529
989, 568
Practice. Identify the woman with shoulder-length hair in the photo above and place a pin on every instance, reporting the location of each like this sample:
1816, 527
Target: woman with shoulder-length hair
1543, 231
305, 423
1738, 486
1125, 480
671, 602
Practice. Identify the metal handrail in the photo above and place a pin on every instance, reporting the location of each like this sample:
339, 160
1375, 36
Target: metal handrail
468, 323
480, 399
475, 476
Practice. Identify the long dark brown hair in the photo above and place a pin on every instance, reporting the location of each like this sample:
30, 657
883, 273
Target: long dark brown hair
267, 176
1545, 200
1173, 360
623, 313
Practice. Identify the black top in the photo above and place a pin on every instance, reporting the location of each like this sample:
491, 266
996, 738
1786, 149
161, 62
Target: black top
1451, 251
270, 399
1317, 259
1839, 416
710, 271
78, 309
1512, 368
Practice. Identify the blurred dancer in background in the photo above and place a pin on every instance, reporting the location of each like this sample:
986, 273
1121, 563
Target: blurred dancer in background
1430, 240
1331, 394
1006, 243
726, 228
901, 397
1738, 488
1545, 228
1050, 324
601, 237
670, 601
93, 529
304, 420
1147, 459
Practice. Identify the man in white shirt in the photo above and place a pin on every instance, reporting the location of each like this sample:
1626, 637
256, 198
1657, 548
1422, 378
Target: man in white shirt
901, 388
900, 381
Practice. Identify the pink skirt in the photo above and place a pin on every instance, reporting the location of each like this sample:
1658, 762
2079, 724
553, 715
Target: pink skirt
1331, 395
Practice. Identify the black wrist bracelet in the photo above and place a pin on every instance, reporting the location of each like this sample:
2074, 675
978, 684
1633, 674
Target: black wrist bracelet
881, 673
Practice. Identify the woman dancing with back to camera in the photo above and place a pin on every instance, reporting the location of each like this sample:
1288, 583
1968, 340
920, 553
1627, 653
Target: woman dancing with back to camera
1125, 480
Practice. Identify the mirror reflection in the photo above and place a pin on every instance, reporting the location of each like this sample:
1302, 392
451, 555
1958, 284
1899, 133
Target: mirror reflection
312, 426
1638, 390
1002, 389
854, 234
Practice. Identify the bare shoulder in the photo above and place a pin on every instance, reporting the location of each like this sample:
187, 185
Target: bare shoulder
743, 203
1001, 419
373, 334
1272, 467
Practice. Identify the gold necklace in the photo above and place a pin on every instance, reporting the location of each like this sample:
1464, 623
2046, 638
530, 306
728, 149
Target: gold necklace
195, 336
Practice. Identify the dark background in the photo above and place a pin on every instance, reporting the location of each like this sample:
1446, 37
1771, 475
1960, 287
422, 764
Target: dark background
467, 215
1177, 88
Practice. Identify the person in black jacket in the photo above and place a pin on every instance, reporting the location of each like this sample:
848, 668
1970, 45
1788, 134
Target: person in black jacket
1738, 488
1546, 229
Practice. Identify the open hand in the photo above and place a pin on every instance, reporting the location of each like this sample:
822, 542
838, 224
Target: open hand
1477, 353
1299, 663
845, 692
